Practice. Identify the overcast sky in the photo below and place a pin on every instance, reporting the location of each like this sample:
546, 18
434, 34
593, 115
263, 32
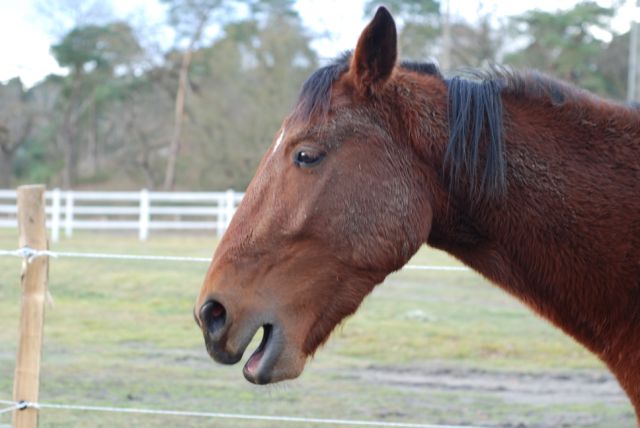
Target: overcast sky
25, 36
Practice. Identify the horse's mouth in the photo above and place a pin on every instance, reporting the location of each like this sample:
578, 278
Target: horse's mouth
259, 367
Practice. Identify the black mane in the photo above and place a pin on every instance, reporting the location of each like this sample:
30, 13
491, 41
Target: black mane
315, 94
475, 153
421, 67
475, 120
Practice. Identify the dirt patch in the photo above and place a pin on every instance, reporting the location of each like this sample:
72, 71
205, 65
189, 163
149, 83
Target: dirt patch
540, 399
532, 388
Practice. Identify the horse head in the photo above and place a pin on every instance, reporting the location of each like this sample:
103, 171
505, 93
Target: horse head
338, 202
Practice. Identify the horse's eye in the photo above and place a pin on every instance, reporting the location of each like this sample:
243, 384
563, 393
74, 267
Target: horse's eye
308, 158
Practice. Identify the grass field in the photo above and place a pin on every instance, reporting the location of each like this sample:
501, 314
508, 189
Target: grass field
430, 347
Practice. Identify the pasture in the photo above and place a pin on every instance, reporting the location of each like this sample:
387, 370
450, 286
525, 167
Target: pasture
430, 347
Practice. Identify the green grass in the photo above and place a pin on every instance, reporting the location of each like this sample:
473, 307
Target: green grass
121, 333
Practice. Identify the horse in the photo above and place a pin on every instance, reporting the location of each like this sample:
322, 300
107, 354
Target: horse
528, 180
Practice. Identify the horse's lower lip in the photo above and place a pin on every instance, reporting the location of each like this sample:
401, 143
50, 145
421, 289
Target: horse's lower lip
260, 365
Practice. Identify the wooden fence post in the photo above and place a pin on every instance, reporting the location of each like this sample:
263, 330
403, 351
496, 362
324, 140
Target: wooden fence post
33, 234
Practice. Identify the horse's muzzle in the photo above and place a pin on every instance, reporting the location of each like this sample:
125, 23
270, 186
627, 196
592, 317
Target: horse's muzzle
225, 339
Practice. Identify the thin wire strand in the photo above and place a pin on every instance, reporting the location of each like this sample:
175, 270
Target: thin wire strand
294, 419
8, 409
111, 256
30, 254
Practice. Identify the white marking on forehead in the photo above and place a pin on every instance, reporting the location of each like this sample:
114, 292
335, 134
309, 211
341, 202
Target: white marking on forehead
278, 142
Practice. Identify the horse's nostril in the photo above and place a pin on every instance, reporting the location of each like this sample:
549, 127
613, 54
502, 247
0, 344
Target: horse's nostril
217, 310
213, 315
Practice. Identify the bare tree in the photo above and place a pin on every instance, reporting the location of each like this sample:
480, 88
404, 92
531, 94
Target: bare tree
190, 18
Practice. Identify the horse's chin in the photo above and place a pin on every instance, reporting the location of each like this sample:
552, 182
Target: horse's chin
279, 373
274, 360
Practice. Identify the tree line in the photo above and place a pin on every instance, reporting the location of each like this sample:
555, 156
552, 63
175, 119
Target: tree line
201, 114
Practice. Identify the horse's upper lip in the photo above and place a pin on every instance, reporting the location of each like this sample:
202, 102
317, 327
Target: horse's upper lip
224, 349
259, 367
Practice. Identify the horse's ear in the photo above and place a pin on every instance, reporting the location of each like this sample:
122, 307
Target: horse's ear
376, 53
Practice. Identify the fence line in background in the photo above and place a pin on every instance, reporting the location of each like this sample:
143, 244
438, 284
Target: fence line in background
142, 211
295, 419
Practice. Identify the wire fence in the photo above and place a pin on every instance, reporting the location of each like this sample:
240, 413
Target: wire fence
22, 405
29, 254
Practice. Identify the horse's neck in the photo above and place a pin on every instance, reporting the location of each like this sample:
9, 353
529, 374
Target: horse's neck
566, 240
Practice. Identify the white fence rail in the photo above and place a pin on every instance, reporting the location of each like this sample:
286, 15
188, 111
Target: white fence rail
143, 211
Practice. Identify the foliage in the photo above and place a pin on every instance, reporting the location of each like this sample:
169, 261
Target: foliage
422, 34
257, 70
97, 46
564, 43
186, 16
17, 116
611, 67
98, 58
109, 121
